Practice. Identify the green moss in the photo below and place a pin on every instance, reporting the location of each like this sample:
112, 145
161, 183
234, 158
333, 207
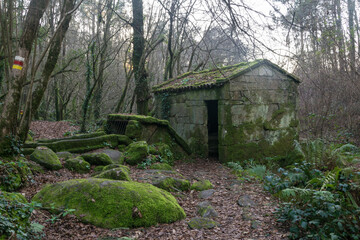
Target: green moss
111, 166
46, 158
119, 173
134, 129
28, 151
98, 169
97, 158
77, 136
113, 204
164, 151
201, 185
161, 166
136, 152
172, 184
78, 165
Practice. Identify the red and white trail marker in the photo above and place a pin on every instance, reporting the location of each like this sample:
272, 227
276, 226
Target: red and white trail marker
18, 63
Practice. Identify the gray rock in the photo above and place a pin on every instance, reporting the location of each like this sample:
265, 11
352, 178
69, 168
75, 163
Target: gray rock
115, 155
204, 209
64, 155
46, 158
171, 184
246, 201
206, 193
199, 223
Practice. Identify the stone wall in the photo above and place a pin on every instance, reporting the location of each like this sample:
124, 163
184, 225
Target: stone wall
257, 115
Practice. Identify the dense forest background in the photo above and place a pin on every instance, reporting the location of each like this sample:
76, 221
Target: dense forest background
89, 58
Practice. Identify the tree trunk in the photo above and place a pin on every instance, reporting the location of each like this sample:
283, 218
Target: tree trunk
9, 115
53, 55
141, 85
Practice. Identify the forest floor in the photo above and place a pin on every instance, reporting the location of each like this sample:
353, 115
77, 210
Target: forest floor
235, 222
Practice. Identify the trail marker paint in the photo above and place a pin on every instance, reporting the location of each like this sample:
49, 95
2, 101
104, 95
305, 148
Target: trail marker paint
18, 63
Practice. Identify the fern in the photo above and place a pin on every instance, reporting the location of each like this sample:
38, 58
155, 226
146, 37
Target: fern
295, 194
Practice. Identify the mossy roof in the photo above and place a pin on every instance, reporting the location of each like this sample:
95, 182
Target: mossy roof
214, 77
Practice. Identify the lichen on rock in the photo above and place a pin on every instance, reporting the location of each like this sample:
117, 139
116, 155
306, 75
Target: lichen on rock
112, 204
161, 166
172, 184
46, 158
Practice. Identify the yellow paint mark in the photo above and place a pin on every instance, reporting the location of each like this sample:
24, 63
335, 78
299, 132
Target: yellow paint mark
17, 67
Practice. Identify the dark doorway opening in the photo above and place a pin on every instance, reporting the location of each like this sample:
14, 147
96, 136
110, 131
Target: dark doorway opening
213, 126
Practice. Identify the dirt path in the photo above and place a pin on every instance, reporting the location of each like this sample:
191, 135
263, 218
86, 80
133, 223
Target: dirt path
253, 222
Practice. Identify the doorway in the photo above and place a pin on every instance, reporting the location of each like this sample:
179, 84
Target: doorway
213, 128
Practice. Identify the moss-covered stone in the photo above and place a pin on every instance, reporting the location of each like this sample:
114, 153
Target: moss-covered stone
200, 223
78, 165
161, 166
46, 158
172, 184
134, 129
204, 209
115, 155
202, 185
97, 158
64, 155
87, 144
14, 173
112, 204
136, 152
119, 173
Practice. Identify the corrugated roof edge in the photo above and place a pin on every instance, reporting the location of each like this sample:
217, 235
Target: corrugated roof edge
221, 81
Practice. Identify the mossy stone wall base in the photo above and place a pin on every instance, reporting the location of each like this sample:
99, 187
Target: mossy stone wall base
257, 115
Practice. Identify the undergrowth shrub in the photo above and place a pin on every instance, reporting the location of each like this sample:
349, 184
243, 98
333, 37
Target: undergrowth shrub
14, 218
317, 204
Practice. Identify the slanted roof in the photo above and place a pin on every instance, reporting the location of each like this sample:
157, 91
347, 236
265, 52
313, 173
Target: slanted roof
214, 77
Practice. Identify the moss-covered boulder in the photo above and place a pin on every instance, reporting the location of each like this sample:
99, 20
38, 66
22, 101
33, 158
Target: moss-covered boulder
99, 169
136, 152
164, 151
202, 185
14, 173
46, 158
64, 155
161, 166
97, 158
115, 155
204, 209
172, 184
78, 165
14, 215
119, 173
112, 204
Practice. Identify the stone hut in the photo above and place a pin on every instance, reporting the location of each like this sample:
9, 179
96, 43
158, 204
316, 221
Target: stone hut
234, 113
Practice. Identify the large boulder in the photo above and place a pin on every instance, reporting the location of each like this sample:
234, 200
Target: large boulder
99, 159
46, 158
78, 165
136, 152
119, 173
112, 204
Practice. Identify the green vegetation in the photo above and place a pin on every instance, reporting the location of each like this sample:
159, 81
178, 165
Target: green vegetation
118, 173
14, 173
46, 158
202, 185
15, 212
101, 159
